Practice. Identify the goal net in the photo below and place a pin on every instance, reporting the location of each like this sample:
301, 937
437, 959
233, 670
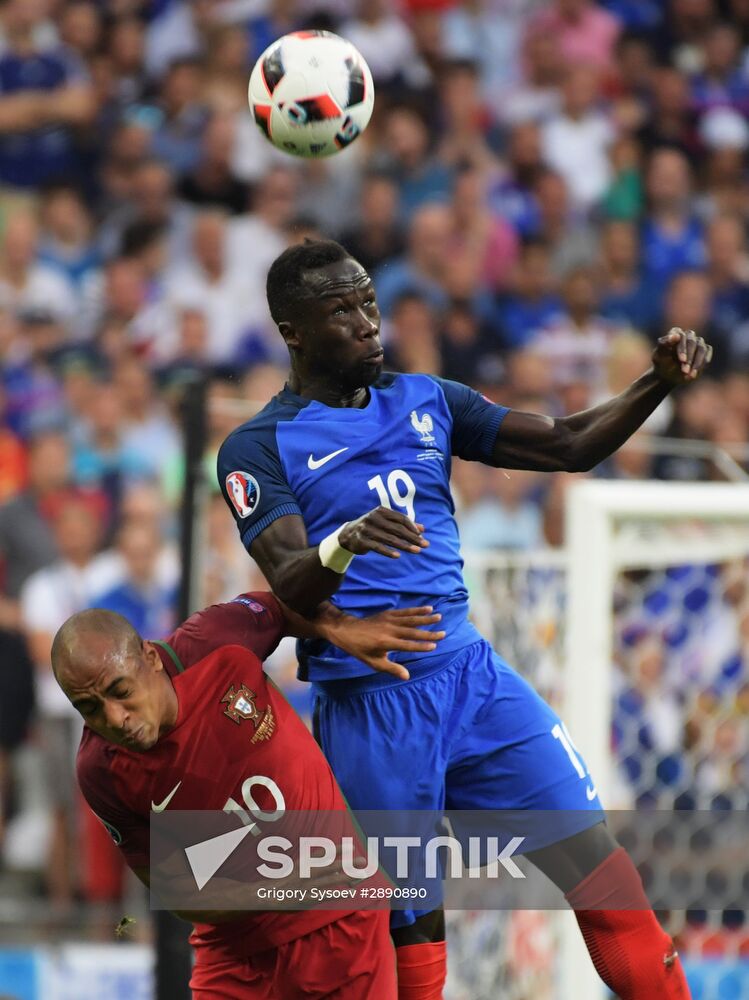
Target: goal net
637, 632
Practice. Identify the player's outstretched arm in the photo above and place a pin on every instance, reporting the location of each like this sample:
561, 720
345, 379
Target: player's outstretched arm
580, 441
303, 576
370, 639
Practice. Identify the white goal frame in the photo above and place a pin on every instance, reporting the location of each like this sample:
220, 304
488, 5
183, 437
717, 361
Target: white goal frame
598, 547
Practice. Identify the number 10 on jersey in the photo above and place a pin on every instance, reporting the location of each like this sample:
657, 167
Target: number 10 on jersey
399, 491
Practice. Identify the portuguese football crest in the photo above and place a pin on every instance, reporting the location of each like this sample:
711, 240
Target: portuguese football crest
241, 708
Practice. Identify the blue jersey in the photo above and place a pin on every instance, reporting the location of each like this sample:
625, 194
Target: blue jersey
333, 464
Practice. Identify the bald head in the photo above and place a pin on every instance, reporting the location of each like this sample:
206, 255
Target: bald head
88, 638
114, 679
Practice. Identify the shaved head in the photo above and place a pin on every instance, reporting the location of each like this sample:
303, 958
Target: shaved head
115, 679
95, 633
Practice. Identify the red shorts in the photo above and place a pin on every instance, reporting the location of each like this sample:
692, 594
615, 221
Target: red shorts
351, 959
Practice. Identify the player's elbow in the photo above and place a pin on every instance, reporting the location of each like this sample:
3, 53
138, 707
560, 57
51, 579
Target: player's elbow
575, 453
580, 461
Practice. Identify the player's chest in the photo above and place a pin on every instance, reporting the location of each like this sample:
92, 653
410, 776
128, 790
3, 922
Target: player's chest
349, 466
239, 743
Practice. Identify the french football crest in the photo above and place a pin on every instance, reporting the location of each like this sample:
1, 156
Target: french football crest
242, 708
424, 427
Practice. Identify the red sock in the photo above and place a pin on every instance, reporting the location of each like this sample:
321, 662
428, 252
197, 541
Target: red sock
422, 969
632, 953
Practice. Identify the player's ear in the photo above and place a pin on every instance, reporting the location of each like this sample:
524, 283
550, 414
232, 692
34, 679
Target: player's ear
290, 333
152, 656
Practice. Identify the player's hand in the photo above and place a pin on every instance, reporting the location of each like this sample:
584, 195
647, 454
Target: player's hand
681, 356
385, 531
400, 629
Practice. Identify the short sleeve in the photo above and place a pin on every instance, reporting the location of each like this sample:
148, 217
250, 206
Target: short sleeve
131, 833
253, 482
254, 620
475, 420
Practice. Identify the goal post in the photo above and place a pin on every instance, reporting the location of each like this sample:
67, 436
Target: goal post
600, 543
603, 540
573, 620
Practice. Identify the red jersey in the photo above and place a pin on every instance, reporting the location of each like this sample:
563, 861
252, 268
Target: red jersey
232, 725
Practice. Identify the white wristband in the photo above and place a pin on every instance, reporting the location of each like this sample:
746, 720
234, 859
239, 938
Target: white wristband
332, 554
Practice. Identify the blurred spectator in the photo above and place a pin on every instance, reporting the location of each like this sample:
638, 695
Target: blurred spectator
80, 25
67, 239
632, 461
102, 454
45, 97
378, 236
510, 193
25, 283
571, 240
125, 49
687, 306
624, 197
626, 297
48, 597
630, 356
383, 39
489, 242
670, 120
682, 31
467, 134
227, 63
212, 181
220, 288
469, 347
34, 398
728, 271
176, 141
725, 134
489, 35
504, 516
257, 238
26, 540
576, 140
532, 302
412, 343
583, 31
16, 705
722, 80
148, 430
672, 237
141, 596
421, 178
695, 415
424, 267
578, 341
150, 198
537, 95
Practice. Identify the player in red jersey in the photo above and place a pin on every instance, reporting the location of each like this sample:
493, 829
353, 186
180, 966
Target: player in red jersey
159, 735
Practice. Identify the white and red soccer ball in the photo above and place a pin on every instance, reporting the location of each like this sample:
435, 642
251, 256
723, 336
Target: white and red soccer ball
311, 93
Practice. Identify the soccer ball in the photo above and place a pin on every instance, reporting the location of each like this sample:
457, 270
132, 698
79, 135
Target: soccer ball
311, 93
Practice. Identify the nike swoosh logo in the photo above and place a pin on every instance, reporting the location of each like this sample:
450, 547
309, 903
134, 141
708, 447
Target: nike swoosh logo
591, 791
162, 805
315, 463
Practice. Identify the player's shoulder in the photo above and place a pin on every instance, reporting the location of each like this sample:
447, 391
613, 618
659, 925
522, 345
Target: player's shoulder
262, 427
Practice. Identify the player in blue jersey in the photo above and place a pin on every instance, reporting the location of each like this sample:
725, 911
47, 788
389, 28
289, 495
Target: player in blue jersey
340, 489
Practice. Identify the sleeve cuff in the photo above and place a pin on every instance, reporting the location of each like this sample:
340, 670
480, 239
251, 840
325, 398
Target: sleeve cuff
253, 530
492, 429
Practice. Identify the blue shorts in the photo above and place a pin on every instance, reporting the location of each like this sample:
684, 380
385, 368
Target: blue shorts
469, 735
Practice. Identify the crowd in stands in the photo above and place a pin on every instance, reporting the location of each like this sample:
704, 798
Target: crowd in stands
545, 188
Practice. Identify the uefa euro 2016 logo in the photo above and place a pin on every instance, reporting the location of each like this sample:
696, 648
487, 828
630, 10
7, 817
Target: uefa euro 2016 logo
244, 492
